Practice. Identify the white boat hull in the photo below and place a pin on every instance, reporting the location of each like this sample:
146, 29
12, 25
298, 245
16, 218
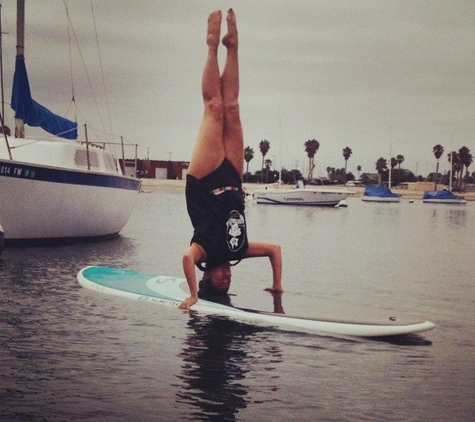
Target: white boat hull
307, 196
380, 199
40, 203
445, 201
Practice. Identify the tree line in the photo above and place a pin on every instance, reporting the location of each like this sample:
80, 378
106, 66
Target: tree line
460, 162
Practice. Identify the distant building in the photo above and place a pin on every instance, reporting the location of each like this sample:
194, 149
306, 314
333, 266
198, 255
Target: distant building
155, 169
420, 186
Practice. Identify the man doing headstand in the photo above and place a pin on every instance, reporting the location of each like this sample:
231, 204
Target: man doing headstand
214, 195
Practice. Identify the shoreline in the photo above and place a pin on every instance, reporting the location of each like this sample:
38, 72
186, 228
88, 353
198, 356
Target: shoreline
179, 185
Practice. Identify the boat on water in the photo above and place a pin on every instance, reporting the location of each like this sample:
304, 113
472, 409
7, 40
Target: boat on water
310, 196
380, 194
442, 197
59, 189
445, 196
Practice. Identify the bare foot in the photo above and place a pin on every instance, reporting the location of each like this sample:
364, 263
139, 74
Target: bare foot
214, 29
230, 40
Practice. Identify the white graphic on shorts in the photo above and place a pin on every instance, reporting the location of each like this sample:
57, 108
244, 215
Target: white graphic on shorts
235, 227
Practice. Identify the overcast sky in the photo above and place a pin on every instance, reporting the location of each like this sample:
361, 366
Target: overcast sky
365, 74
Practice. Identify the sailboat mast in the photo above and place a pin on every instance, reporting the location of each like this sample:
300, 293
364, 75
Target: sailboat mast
390, 154
20, 29
20, 50
280, 152
1, 64
451, 168
2, 115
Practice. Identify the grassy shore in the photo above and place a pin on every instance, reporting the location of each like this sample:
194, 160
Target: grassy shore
179, 185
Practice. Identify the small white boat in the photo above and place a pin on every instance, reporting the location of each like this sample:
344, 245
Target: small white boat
306, 196
380, 194
442, 197
57, 190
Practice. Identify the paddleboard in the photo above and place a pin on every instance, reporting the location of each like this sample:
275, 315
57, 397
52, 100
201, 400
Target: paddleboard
172, 291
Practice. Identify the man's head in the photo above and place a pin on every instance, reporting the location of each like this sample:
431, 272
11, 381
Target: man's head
220, 278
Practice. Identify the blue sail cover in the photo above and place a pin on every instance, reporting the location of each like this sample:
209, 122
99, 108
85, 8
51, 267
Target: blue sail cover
33, 113
380, 191
440, 194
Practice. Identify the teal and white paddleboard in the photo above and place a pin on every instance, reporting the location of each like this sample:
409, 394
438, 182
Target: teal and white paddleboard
172, 291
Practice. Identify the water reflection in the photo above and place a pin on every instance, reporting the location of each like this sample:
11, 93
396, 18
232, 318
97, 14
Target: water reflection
404, 340
36, 263
456, 217
217, 359
387, 214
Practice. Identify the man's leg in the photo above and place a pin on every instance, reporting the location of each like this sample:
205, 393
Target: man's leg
232, 130
209, 151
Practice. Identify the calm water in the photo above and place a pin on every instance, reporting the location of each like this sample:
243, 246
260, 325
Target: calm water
68, 354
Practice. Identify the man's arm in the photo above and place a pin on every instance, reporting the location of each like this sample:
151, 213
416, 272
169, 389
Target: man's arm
194, 254
274, 253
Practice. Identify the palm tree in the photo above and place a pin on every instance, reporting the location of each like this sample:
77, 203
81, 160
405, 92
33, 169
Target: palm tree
400, 160
438, 150
248, 156
331, 173
465, 159
346, 155
264, 147
311, 148
381, 165
454, 161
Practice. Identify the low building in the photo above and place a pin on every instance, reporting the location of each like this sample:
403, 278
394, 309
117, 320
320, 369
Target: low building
420, 186
155, 169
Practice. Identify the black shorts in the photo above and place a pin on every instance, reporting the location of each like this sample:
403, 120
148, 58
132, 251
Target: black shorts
215, 205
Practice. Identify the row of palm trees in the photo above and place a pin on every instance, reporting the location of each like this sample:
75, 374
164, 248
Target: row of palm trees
311, 148
382, 163
460, 160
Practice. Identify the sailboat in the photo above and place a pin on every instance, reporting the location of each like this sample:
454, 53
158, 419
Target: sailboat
57, 190
382, 193
442, 197
445, 196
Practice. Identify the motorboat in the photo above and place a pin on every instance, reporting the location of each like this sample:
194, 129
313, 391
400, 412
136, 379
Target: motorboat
310, 196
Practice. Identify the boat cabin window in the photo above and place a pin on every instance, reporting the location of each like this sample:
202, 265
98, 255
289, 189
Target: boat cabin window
110, 163
81, 159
